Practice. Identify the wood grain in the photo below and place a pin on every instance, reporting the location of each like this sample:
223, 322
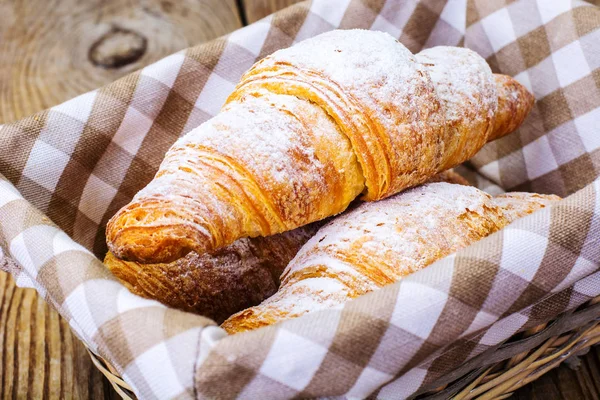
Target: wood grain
41, 359
257, 9
54, 50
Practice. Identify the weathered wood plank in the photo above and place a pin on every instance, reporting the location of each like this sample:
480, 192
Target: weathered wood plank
53, 50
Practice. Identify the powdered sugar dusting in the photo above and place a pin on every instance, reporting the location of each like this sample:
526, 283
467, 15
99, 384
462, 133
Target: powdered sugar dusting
466, 88
293, 301
266, 164
260, 135
356, 60
285, 149
461, 77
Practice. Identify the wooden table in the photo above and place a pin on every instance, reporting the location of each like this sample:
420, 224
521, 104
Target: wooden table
53, 50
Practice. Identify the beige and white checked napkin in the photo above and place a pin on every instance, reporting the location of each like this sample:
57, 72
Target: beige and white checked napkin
65, 171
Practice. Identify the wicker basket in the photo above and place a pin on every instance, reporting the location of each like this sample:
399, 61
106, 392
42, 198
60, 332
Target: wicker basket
494, 374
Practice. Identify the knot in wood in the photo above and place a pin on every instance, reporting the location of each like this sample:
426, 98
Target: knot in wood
117, 48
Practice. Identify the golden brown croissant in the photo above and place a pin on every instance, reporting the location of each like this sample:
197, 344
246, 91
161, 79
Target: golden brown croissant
228, 280
219, 284
381, 242
306, 131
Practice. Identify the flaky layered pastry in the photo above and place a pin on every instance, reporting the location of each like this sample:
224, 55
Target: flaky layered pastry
306, 131
381, 242
227, 280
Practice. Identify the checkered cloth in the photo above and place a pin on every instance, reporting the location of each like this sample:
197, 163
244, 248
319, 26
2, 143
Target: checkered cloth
68, 169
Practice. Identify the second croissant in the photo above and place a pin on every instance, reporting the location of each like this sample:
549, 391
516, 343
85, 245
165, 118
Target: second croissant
379, 243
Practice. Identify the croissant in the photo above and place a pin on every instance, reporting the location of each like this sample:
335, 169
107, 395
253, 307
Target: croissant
381, 242
216, 285
228, 280
306, 131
